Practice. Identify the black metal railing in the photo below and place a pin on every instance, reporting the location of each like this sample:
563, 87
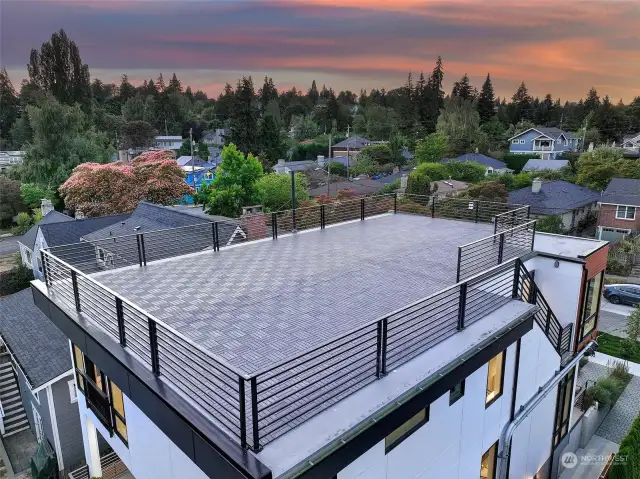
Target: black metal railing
476, 257
96, 400
256, 407
510, 219
559, 336
141, 248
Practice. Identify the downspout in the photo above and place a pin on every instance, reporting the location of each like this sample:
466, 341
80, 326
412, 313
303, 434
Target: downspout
509, 429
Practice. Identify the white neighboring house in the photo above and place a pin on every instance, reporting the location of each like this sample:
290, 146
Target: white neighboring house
170, 142
10, 158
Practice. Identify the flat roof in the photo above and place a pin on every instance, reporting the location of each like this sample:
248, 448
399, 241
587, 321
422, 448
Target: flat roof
562, 245
263, 302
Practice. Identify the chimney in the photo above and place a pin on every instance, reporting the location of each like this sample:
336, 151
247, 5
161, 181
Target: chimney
320, 160
46, 206
281, 162
254, 222
79, 215
536, 185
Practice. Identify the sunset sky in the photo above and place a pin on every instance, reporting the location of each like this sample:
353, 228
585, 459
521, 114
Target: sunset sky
558, 47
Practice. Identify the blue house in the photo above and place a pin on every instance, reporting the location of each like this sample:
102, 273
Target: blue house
549, 143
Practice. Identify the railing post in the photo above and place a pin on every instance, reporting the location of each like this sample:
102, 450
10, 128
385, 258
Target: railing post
559, 346
516, 279
216, 232
533, 236
433, 206
534, 293
243, 413
293, 217
254, 414
361, 209
144, 252
501, 248
495, 224
476, 205
44, 267
76, 291
462, 306
378, 349
383, 352
139, 250
395, 202
322, 216
528, 211
274, 225
153, 343
547, 324
459, 263
120, 315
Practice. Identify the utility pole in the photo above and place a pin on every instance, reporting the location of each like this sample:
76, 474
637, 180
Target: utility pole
166, 130
348, 129
329, 169
193, 168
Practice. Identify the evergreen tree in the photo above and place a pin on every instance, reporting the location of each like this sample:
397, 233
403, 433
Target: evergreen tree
160, 86
592, 102
9, 108
423, 100
151, 88
58, 69
436, 95
174, 85
313, 94
407, 108
520, 107
271, 144
126, 90
463, 89
267, 93
486, 101
243, 122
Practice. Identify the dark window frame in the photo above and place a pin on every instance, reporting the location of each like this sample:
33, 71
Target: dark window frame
115, 414
597, 296
400, 439
499, 395
455, 396
562, 415
494, 446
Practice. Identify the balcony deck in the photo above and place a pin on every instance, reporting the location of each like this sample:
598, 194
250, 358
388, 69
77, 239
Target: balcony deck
260, 303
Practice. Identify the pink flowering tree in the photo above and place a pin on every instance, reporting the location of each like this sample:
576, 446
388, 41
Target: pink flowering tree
107, 189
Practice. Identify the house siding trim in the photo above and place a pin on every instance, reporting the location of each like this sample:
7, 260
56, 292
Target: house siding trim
54, 428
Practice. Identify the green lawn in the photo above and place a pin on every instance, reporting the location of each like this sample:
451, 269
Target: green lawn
612, 345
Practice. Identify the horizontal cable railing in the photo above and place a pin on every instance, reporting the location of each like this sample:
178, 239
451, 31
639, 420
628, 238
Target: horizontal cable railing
509, 219
257, 407
480, 255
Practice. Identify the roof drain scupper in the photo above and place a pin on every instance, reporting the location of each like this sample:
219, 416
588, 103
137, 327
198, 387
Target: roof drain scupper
507, 433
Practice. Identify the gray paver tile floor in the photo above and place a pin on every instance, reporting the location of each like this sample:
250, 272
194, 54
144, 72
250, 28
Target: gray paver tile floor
20, 448
300, 290
618, 422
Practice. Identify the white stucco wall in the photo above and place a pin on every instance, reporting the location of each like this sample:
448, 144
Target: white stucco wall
150, 454
451, 444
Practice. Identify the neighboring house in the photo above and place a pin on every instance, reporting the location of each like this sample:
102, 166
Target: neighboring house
350, 351
549, 143
170, 142
631, 142
448, 188
37, 387
215, 138
286, 167
199, 175
10, 158
57, 229
353, 144
544, 165
187, 162
572, 202
360, 187
407, 155
493, 166
619, 209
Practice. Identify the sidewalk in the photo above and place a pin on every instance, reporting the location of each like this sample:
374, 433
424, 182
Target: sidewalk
606, 360
597, 447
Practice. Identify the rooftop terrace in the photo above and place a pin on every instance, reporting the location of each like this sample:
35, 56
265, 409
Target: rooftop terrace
262, 335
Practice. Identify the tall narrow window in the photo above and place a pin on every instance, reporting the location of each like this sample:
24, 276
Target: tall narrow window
404, 431
79, 360
117, 411
495, 378
563, 408
591, 303
488, 463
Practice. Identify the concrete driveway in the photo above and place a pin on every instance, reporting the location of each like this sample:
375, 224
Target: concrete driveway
613, 318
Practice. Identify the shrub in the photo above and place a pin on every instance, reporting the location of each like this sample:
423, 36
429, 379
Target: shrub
516, 162
629, 468
522, 180
550, 224
435, 171
613, 385
488, 191
365, 165
16, 279
336, 168
24, 222
390, 188
470, 172
620, 371
597, 393
618, 268
418, 184
379, 154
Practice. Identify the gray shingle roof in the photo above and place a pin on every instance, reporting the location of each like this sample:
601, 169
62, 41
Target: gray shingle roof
39, 347
68, 232
51, 217
356, 142
476, 158
555, 197
622, 191
551, 132
539, 165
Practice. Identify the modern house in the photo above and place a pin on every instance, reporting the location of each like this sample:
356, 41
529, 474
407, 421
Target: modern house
215, 138
619, 209
492, 165
549, 143
10, 158
534, 164
37, 385
57, 229
571, 202
372, 345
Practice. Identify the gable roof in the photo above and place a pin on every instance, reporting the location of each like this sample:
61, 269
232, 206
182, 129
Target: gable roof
301, 165
39, 347
555, 197
476, 158
29, 238
68, 232
355, 141
635, 138
550, 132
149, 217
622, 191
536, 164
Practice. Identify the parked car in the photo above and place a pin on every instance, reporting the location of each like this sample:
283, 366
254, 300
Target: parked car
623, 293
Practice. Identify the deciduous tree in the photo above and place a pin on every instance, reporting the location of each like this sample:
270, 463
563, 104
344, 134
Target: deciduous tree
431, 149
274, 190
10, 200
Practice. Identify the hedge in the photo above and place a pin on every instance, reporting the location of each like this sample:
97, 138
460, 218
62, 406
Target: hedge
517, 161
627, 463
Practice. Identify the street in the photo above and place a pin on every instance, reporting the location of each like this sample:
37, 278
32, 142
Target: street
9, 245
613, 318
